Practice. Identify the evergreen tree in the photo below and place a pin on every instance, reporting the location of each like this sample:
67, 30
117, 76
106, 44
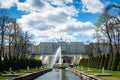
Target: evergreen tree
1, 65
106, 61
110, 62
118, 67
102, 61
98, 62
115, 61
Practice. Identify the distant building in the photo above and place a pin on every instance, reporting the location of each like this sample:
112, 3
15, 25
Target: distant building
67, 48
36, 49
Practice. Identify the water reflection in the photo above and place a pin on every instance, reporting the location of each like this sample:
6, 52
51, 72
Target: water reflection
61, 74
58, 74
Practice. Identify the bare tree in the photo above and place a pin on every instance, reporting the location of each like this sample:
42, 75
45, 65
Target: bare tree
25, 40
4, 20
110, 28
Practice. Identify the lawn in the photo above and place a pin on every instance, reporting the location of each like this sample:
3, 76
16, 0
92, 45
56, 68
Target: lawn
37, 57
20, 72
115, 74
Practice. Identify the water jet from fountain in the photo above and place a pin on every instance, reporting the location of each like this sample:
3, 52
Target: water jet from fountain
56, 57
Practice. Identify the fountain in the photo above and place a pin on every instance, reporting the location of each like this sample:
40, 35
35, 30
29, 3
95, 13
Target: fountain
60, 59
56, 56
28, 68
73, 62
89, 70
103, 70
36, 68
81, 68
41, 58
10, 73
46, 60
10, 70
103, 73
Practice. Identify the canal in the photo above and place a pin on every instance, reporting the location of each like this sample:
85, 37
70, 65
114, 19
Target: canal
58, 74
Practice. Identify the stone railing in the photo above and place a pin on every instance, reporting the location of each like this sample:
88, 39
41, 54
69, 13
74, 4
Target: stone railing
31, 76
83, 75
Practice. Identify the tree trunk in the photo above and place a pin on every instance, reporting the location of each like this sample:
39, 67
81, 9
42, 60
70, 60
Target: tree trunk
2, 40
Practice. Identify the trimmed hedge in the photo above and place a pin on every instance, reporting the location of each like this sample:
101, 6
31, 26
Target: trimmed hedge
118, 68
108, 61
18, 63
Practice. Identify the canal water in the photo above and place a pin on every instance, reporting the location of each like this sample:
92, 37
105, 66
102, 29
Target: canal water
58, 74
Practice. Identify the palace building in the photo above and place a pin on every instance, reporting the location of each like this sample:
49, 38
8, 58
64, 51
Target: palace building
71, 51
67, 48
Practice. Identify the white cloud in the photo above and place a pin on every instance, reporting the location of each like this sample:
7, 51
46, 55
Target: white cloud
47, 22
7, 3
93, 6
79, 26
60, 2
54, 22
30, 5
46, 28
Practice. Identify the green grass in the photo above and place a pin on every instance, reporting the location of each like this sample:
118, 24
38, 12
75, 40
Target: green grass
37, 56
20, 72
115, 74
85, 56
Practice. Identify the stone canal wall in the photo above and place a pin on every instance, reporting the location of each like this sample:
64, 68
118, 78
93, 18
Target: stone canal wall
32, 76
82, 75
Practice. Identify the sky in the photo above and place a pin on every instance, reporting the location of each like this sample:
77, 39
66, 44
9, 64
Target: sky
48, 20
